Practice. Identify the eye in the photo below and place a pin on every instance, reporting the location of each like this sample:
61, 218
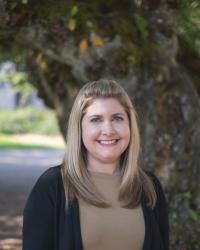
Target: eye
118, 118
96, 119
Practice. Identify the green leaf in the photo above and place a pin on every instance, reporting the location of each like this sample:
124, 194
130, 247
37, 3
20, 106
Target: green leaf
72, 24
195, 215
172, 222
141, 25
74, 10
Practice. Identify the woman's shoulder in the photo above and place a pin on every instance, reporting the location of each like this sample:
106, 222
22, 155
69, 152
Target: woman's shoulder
161, 199
50, 175
155, 180
46, 184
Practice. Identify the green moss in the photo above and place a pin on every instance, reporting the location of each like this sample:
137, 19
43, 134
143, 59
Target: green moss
191, 239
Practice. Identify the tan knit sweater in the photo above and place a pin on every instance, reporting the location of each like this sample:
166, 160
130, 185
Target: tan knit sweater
112, 228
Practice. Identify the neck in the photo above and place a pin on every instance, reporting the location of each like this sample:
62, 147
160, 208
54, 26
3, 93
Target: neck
108, 168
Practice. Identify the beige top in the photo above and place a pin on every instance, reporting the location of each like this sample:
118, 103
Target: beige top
112, 228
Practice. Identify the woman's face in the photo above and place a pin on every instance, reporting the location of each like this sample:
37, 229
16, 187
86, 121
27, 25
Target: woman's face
105, 131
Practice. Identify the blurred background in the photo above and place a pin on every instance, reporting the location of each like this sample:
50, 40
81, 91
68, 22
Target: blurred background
50, 49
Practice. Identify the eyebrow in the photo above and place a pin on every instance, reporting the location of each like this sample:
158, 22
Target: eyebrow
99, 115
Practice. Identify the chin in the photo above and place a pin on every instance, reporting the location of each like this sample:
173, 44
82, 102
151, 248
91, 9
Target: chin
109, 159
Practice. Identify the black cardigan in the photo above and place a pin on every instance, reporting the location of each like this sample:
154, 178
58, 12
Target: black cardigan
46, 225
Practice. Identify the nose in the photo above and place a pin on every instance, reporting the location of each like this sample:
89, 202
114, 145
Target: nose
107, 128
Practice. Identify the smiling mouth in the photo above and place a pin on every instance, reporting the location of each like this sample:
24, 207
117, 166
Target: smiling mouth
108, 142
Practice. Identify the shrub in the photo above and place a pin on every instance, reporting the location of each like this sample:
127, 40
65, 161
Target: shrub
28, 120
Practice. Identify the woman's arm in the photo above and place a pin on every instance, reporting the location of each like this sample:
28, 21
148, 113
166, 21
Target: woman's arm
38, 217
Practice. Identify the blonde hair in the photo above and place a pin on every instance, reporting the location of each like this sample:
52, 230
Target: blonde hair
76, 178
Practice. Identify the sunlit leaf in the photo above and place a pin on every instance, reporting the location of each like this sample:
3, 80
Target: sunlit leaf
72, 24
83, 45
97, 42
74, 10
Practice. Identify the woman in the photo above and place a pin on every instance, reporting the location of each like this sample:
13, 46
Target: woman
99, 198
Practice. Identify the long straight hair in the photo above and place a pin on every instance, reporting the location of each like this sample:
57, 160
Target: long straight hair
75, 175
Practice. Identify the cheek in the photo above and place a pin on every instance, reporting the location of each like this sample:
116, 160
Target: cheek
127, 135
128, 131
89, 133
124, 130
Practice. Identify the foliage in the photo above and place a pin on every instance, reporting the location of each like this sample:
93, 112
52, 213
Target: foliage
189, 24
14, 3
195, 215
28, 120
72, 21
20, 84
141, 24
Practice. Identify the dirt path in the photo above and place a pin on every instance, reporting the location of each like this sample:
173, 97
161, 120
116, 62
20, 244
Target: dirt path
19, 170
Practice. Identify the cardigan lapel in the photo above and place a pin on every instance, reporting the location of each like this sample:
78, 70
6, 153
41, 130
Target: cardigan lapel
148, 231
76, 226
152, 239
156, 240
65, 232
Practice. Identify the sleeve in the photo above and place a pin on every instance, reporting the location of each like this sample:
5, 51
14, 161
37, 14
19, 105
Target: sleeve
38, 216
161, 213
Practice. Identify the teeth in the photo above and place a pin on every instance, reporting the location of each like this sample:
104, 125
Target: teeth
108, 142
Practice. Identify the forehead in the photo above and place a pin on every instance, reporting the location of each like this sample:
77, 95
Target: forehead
104, 105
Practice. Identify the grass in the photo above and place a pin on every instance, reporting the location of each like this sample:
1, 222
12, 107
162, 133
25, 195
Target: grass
25, 142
